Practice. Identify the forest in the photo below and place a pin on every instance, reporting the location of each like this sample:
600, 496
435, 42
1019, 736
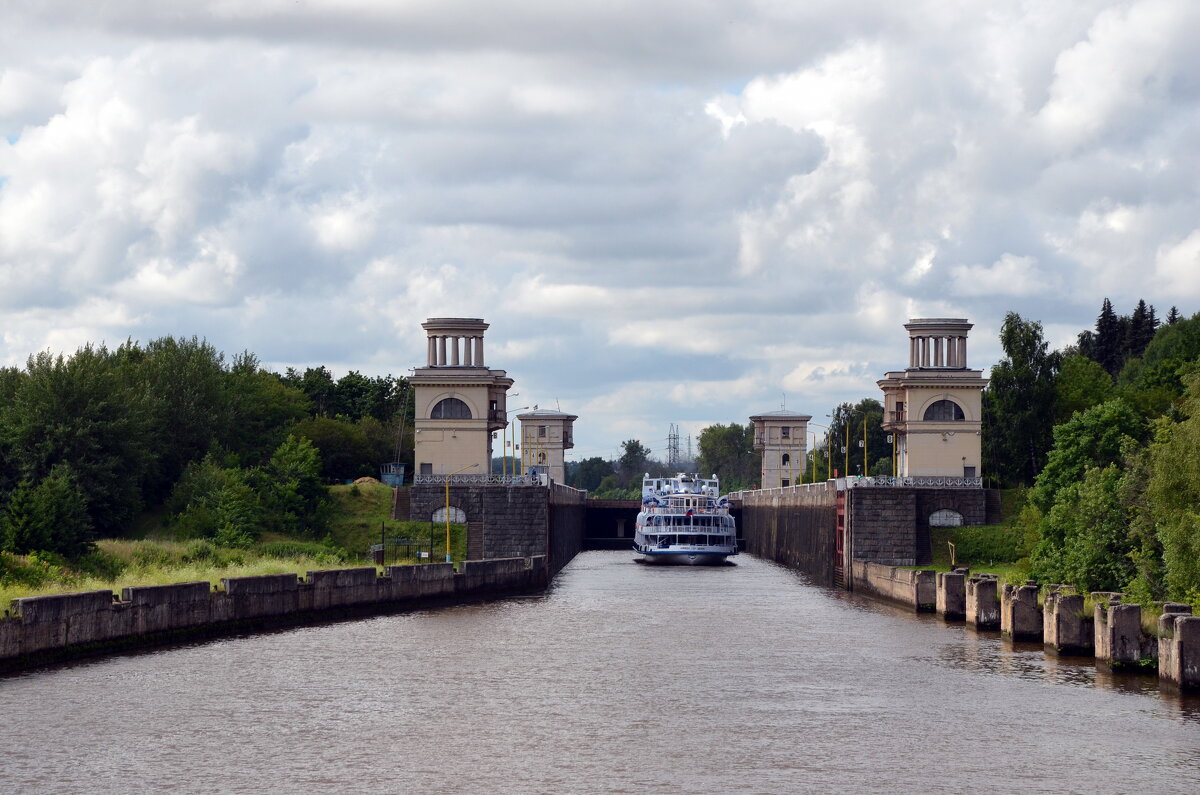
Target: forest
98, 443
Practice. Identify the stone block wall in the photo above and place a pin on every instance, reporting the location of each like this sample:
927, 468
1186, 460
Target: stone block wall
794, 526
881, 525
514, 520
45, 628
567, 520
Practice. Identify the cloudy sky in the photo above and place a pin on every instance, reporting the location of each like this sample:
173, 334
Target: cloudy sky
668, 211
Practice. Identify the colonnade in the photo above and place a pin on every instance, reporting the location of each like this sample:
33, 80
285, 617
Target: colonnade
937, 351
455, 351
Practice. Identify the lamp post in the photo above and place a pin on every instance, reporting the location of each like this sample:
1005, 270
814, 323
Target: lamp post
504, 461
452, 474
828, 451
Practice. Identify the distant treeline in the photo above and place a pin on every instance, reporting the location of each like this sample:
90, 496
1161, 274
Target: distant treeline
90, 441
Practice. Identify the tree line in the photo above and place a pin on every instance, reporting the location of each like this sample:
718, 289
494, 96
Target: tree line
1104, 434
229, 449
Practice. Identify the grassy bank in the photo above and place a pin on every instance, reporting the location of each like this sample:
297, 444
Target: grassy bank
359, 515
996, 549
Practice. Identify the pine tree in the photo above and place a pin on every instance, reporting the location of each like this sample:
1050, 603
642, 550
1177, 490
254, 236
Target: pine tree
1173, 316
1139, 332
1109, 339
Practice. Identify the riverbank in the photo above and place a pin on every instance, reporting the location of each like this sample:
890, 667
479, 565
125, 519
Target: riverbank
44, 629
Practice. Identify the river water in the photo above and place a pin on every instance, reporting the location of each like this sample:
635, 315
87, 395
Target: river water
622, 678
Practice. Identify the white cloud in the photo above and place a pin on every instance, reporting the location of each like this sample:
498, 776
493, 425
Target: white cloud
668, 212
1010, 275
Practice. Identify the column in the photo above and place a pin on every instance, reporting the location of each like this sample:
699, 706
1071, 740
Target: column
454, 351
479, 351
441, 350
912, 352
431, 355
468, 350
964, 351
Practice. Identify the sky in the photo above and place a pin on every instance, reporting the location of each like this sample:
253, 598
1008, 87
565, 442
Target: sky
669, 212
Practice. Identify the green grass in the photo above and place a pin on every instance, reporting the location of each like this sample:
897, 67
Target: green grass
994, 549
154, 557
362, 513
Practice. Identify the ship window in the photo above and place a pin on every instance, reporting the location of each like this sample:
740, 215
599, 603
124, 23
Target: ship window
450, 409
944, 411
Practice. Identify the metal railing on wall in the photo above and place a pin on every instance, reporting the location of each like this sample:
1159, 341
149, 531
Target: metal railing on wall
479, 480
915, 481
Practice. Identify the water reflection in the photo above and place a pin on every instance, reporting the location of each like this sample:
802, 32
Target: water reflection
622, 678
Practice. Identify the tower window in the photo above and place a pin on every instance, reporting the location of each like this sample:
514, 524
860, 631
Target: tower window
786, 460
787, 433
541, 430
944, 411
450, 409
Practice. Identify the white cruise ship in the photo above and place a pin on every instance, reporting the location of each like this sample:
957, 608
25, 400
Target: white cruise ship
684, 520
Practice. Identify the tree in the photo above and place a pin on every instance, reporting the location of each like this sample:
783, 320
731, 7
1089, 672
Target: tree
633, 462
1173, 496
590, 472
728, 451
1159, 371
1142, 325
86, 413
293, 494
50, 516
1018, 404
846, 424
1173, 316
1080, 384
1110, 340
260, 408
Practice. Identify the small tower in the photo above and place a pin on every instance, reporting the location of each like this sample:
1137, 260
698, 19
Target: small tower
934, 405
781, 436
459, 401
545, 436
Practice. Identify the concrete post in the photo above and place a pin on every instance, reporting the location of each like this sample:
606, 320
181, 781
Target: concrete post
951, 596
1118, 635
983, 611
1179, 651
1020, 616
1066, 629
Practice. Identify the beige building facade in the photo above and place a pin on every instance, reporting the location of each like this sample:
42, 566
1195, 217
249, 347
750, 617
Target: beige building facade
781, 437
459, 400
934, 406
546, 435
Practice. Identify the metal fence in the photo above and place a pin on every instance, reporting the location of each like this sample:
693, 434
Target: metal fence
479, 480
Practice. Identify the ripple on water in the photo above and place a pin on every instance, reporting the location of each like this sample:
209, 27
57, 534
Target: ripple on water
622, 678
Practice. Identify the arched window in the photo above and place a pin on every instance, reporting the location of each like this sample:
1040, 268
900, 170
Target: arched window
457, 515
944, 411
451, 409
786, 460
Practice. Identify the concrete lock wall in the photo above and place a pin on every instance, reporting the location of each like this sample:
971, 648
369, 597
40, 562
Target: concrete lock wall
1179, 647
45, 628
915, 589
511, 521
881, 525
794, 526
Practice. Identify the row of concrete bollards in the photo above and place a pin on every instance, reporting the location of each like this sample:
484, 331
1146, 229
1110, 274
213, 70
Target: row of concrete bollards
1113, 633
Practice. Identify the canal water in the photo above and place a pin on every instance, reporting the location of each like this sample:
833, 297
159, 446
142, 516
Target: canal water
622, 678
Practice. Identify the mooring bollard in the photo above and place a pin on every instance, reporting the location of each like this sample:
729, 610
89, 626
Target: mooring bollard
1066, 630
1179, 647
1020, 616
951, 595
983, 611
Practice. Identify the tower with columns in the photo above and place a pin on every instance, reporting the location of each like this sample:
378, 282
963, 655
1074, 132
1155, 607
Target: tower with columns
546, 435
781, 436
934, 406
459, 400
